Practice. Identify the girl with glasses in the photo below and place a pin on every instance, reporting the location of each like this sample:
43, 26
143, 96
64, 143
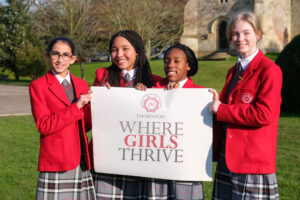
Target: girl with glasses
59, 103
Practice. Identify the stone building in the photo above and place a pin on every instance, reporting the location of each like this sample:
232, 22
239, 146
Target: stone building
206, 21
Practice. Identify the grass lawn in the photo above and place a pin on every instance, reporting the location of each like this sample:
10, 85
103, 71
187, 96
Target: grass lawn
19, 147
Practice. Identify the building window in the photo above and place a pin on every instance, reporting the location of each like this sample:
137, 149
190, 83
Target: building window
223, 1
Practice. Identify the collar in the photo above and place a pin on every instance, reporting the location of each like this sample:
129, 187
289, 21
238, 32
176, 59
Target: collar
132, 73
245, 62
60, 79
181, 83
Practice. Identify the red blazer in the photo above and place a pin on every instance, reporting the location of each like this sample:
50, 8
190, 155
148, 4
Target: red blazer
59, 123
189, 84
102, 72
252, 115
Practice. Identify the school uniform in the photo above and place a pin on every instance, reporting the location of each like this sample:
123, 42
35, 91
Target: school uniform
64, 160
184, 189
245, 131
111, 186
187, 83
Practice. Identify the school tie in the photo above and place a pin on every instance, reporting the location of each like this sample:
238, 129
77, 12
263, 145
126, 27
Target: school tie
65, 83
238, 72
127, 78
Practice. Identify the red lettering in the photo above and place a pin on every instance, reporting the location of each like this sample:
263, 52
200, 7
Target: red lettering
151, 139
132, 143
141, 140
162, 141
174, 141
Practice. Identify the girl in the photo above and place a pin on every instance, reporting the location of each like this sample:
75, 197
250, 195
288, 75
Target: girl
57, 101
247, 114
180, 64
129, 63
129, 67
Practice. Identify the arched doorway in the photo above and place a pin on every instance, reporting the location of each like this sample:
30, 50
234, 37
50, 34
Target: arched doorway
223, 43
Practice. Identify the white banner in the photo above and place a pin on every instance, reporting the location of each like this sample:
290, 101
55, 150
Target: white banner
154, 133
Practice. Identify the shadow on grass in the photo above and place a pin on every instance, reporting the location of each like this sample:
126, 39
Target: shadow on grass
14, 82
286, 114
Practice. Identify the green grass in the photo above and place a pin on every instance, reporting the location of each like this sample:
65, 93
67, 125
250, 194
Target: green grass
19, 148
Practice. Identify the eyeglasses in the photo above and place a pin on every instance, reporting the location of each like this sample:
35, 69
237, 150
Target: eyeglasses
56, 55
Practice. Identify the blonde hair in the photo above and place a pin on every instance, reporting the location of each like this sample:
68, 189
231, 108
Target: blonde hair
249, 17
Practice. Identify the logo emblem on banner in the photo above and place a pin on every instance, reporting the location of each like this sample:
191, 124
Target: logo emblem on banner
150, 103
246, 98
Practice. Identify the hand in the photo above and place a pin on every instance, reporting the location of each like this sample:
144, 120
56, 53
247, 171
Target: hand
84, 99
107, 85
214, 105
141, 86
172, 85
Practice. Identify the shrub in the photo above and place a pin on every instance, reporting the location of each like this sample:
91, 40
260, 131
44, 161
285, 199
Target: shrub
289, 62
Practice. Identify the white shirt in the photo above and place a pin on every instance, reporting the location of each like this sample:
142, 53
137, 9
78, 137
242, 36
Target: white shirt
245, 61
132, 73
60, 79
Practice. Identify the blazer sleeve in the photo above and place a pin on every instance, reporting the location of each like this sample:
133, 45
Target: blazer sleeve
101, 75
264, 108
87, 117
50, 119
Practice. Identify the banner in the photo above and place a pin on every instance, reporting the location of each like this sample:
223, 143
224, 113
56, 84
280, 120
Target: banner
155, 133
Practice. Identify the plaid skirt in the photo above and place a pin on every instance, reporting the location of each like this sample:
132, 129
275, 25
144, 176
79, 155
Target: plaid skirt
76, 184
113, 187
228, 185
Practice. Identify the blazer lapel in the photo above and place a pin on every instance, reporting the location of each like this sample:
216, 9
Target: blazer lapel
188, 83
77, 86
242, 79
223, 93
249, 72
56, 88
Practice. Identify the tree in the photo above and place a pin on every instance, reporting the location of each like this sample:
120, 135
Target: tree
19, 38
159, 22
72, 18
31, 60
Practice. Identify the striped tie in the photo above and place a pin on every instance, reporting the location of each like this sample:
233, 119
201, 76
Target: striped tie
127, 78
65, 83
238, 72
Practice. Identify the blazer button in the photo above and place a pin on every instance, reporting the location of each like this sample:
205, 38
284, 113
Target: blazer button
229, 136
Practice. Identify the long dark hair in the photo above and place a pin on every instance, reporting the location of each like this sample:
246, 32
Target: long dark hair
143, 67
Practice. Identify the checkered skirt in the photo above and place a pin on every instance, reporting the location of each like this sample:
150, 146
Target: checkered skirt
228, 185
76, 184
116, 187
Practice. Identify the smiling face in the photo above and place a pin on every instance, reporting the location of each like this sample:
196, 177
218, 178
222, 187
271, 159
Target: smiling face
244, 38
58, 64
123, 54
175, 65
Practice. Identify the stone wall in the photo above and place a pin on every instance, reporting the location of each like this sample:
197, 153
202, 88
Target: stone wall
275, 20
279, 19
295, 20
